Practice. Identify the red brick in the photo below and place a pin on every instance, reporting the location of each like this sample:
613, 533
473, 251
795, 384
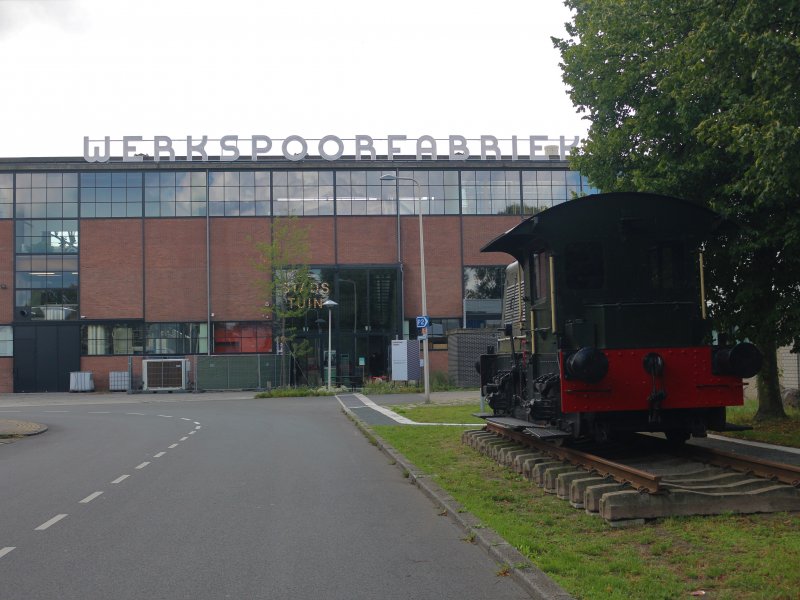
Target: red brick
111, 269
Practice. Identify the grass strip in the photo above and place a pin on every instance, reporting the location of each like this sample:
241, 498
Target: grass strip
727, 556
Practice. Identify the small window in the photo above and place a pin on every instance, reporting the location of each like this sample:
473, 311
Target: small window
666, 266
584, 265
6, 341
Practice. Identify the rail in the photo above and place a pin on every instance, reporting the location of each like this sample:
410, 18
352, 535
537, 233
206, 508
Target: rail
641, 480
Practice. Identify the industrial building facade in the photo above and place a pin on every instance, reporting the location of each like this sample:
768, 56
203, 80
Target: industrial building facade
100, 262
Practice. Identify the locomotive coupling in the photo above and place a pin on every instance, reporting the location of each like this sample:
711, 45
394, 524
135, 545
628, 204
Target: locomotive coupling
587, 364
743, 360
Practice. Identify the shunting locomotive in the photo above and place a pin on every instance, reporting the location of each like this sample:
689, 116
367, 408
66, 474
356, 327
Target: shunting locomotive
606, 329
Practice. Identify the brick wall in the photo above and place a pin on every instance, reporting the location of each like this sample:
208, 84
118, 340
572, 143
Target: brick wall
175, 270
6, 375
235, 291
111, 269
367, 240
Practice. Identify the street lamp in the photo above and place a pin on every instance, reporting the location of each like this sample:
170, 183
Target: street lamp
329, 304
426, 373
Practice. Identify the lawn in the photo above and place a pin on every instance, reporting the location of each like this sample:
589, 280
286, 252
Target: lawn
728, 556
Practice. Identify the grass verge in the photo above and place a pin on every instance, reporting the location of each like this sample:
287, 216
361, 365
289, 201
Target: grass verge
785, 432
728, 556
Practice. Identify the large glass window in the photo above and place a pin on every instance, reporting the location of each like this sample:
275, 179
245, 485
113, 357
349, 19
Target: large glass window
175, 194
112, 339
363, 193
111, 194
305, 193
239, 193
437, 193
47, 195
235, 337
6, 195
6, 340
176, 338
490, 192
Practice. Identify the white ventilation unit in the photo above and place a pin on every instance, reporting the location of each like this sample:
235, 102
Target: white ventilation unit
165, 375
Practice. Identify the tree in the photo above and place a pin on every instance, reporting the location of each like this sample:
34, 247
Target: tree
290, 286
701, 99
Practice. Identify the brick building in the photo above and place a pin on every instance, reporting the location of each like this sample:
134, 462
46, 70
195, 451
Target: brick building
103, 261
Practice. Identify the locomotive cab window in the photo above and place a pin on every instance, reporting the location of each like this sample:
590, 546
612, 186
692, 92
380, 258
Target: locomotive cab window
666, 265
584, 265
539, 276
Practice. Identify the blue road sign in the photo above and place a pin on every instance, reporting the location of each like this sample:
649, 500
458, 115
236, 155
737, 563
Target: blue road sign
423, 322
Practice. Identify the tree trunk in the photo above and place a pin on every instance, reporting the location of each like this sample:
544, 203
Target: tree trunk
770, 404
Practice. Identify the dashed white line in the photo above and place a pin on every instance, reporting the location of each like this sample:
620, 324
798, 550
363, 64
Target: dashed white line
159, 455
120, 479
197, 423
183, 439
6, 550
143, 465
171, 447
192, 432
138, 414
165, 416
199, 427
90, 497
185, 419
49, 523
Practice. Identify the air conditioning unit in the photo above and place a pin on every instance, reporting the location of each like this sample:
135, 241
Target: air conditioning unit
165, 375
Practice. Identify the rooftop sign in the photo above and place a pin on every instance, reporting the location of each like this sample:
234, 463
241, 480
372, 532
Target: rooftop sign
134, 148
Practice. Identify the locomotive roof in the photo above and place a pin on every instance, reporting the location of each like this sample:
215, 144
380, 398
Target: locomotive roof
607, 214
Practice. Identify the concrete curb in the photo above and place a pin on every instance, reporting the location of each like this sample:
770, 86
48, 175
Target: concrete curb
532, 579
15, 428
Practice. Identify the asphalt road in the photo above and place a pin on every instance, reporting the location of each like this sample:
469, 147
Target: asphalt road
152, 498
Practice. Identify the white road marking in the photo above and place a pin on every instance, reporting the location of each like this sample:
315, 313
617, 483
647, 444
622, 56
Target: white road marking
143, 465
49, 523
6, 550
199, 427
120, 479
192, 432
183, 439
99, 412
400, 419
166, 416
173, 446
185, 419
139, 414
90, 497
196, 423
159, 455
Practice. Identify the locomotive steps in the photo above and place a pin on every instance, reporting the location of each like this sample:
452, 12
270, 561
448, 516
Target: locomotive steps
682, 486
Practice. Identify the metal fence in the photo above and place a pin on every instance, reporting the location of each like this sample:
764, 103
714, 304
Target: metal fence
241, 372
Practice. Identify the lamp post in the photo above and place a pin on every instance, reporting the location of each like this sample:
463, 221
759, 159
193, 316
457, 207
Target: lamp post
426, 372
329, 304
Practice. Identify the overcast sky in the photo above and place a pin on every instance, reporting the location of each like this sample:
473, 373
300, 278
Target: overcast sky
70, 68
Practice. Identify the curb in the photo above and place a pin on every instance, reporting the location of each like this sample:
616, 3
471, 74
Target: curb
532, 579
15, 428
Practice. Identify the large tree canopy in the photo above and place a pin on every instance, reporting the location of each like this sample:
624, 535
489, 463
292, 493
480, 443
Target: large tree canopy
701, 99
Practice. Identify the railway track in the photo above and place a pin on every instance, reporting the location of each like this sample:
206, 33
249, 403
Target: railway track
658, 483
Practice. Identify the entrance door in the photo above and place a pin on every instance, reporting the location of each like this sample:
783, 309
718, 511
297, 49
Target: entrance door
44, 356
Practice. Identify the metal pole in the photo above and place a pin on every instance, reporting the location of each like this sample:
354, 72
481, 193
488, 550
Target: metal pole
426, 373
329, 348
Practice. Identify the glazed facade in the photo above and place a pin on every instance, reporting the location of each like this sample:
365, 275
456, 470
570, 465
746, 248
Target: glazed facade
102, 262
